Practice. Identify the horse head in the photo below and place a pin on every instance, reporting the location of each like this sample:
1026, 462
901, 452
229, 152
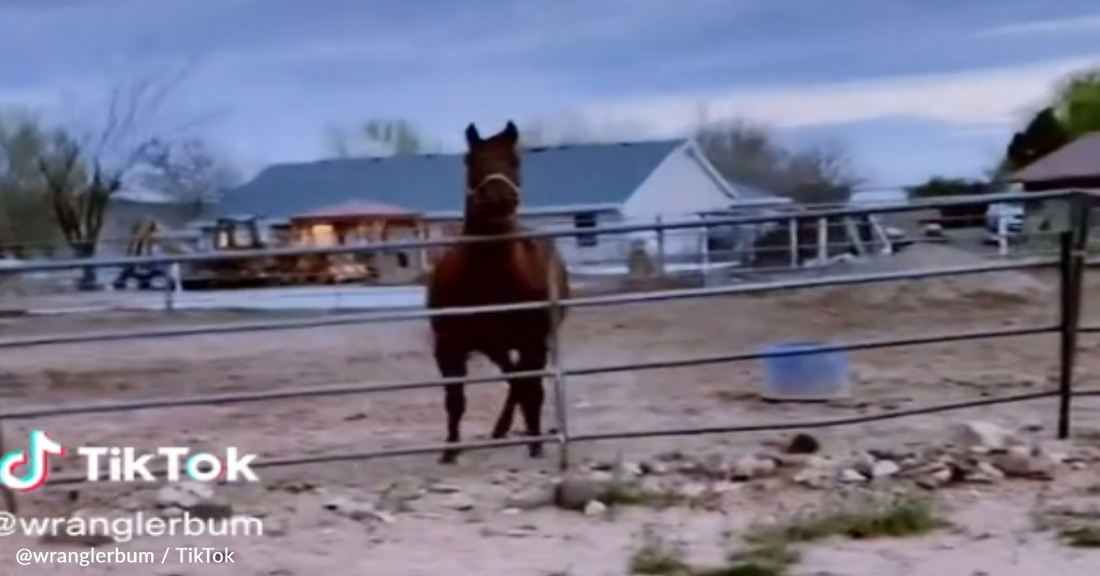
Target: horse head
492, 180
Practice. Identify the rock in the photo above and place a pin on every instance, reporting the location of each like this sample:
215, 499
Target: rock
460, 502
532, 497
443, 488
984, 436
713, 467
886, 454
862, 462
625, 470
654, 468
618, 468
818, 473
575, 492
356, 509
185, 494
985, 473
692, 490
935, 478
1022, 462
749, 467
803, 443
884, 469
595, 508
852, 476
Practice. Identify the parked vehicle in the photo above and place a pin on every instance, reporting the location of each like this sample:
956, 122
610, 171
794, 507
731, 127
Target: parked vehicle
1004, 218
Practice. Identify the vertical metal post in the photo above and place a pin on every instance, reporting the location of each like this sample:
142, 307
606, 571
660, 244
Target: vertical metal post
792, 242
171, 285
561, 401
661, 241
8, 493
822, 241
1073, 245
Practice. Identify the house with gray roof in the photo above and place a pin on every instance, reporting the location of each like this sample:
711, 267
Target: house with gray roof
582, 186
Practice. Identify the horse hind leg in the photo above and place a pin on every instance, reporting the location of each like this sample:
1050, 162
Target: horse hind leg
502, 359
451, 361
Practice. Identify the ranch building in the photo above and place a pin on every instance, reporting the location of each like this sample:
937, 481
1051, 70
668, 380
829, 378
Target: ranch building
576, 186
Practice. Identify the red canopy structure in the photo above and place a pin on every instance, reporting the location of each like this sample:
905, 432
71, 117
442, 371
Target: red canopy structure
1075, 165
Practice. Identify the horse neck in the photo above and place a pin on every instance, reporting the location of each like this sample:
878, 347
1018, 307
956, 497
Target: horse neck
474, 226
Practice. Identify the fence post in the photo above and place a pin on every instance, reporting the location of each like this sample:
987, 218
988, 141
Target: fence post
171, 285
561, 402
792, 243
1002, 236
822, 241
662, 242
9, 494
1073, 245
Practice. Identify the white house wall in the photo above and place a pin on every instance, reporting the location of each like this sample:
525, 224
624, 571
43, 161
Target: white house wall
607, 248
679, 189
678, 186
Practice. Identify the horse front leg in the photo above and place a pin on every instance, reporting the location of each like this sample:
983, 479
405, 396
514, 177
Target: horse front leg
451, 361
530, 393
502, 359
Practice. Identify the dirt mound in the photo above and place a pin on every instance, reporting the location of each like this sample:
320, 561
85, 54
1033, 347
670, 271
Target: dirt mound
989, 289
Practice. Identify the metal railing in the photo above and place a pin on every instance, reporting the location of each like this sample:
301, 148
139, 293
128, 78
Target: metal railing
1070, 261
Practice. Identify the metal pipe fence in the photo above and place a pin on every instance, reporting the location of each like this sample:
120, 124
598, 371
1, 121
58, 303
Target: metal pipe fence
1071, 261
43, 266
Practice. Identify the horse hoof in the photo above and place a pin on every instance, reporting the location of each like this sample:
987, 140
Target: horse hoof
499, 434
449, 457
535, 450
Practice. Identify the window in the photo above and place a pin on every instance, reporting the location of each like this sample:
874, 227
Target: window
323, 235
586, 220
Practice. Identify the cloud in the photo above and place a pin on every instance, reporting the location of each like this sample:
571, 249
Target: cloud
1075, 24
981, 97
278, 72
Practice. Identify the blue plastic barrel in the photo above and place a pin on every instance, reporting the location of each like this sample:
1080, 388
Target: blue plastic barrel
817, 374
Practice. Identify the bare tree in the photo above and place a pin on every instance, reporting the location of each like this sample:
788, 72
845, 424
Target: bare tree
380, 137
750, 154
94, 163
189, 172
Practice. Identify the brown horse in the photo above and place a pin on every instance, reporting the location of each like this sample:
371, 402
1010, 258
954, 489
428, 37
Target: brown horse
495, 272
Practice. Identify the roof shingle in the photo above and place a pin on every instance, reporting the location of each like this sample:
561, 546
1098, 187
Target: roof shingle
578, 174
1078, 160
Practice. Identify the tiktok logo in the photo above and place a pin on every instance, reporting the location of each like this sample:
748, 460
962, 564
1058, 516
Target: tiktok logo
35, 462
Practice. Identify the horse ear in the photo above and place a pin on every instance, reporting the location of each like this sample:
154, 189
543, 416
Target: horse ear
473, 138
511, 132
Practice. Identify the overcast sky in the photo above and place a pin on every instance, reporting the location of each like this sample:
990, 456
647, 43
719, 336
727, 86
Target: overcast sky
915, 87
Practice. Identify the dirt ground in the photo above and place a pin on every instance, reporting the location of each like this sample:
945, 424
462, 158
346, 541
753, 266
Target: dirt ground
552, 542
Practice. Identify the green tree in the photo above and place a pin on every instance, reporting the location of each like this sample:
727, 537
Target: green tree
1077, 103
940, 186
1042, 135
1072, 111
380, 137
27, 223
